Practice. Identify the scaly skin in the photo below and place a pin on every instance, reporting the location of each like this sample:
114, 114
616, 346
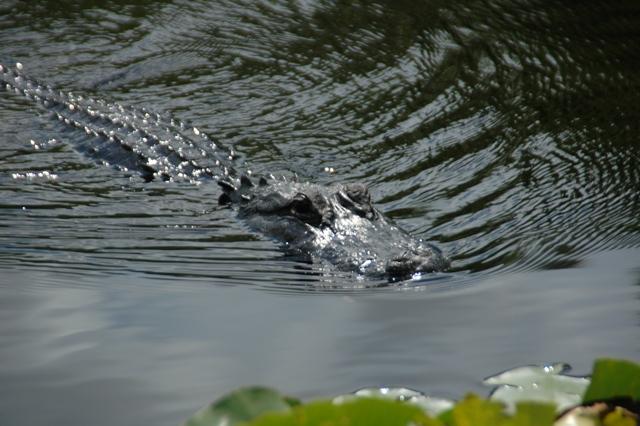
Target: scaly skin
337, 224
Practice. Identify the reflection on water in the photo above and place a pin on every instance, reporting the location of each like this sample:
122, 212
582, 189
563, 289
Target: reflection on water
133, 350
505, 132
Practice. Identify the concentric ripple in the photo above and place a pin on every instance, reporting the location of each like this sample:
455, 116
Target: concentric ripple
505, 132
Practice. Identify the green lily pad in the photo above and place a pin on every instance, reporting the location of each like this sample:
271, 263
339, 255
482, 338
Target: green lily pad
474, 411
532, 414
545, 384
241, 406
614, 378
359, 411
430, 405
531, 396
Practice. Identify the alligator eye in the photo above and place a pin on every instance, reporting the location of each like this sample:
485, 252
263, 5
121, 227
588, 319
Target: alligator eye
303, 208
301, 205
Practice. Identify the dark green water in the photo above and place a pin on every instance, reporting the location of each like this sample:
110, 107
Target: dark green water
505, 132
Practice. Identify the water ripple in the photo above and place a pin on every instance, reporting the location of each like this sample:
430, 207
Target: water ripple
503, 131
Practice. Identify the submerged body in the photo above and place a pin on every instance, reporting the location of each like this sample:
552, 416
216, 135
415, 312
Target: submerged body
336, 224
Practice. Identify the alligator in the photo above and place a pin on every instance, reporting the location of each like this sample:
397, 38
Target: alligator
337, 223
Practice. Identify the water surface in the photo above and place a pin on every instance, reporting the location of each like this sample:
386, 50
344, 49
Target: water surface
504, 132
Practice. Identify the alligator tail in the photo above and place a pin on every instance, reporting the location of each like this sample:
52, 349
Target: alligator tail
154, 145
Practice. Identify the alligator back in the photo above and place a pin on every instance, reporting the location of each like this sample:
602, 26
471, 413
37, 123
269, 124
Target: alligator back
134, 139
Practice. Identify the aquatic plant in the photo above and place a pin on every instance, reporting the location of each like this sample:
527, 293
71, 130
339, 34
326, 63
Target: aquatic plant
526, 396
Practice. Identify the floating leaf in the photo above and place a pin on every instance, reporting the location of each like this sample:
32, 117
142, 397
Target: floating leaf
360, 411
532, 414
241, 406
474, 411
400, 406
432, 406
614, 378
546, 384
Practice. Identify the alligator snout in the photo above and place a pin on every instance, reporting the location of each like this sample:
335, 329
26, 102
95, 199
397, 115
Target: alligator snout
428, 259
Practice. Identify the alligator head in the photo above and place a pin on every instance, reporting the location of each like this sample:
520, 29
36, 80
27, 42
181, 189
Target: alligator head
337, 223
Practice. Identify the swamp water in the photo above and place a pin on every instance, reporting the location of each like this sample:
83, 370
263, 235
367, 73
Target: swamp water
506, 133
